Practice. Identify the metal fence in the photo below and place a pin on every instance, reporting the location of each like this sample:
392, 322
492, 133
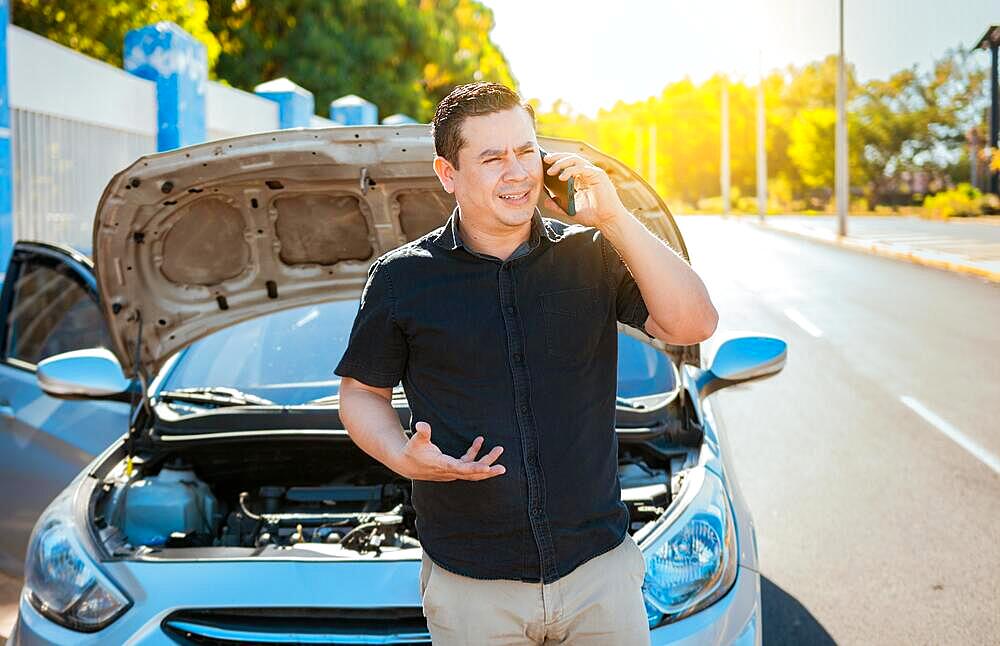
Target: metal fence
74, 122
60, 169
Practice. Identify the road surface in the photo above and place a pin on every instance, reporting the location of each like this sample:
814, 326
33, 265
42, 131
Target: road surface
871, 462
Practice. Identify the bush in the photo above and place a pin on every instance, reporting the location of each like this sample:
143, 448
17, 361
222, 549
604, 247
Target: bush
963, 200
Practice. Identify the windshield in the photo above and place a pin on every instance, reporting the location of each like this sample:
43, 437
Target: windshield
289, 356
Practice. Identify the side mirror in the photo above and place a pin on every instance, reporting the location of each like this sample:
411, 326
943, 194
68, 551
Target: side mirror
93, 373
743, 358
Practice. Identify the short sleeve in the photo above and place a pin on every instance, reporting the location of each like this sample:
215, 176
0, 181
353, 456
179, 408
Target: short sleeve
629, 304
376, 350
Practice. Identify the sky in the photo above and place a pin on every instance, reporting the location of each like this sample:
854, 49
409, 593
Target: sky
592, 54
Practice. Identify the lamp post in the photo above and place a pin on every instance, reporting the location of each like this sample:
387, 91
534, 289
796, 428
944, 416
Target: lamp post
761, 145
991, 41
724, 179
840, 170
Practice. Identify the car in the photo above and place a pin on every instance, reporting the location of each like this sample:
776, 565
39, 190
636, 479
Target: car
233, 507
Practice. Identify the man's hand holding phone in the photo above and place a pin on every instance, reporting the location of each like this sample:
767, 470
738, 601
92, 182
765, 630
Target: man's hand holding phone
595, 197
420, 459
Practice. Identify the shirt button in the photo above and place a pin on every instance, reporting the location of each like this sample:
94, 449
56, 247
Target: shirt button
536, 512
518, 357
510, 310
524, 409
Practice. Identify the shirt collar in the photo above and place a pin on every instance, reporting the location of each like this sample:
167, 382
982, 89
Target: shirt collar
451, 238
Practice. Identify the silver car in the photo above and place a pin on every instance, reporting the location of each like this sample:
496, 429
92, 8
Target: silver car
232, 507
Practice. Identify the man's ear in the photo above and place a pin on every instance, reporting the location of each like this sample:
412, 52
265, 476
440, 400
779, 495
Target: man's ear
445, 172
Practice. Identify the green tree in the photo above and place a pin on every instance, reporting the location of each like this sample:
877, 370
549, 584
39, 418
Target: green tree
917, 121
98, 27
401, 55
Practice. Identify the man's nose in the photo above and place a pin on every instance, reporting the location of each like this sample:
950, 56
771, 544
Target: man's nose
515, 169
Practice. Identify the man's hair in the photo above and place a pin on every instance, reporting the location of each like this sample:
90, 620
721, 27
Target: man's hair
470, 100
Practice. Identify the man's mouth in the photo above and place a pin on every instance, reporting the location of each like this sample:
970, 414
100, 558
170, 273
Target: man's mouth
515, 198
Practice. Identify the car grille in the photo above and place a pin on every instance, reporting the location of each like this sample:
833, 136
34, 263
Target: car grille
228, 626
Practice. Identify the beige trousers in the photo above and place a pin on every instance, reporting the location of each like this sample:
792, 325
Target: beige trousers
600, 602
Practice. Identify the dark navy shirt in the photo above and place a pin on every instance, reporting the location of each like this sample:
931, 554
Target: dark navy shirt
524, 352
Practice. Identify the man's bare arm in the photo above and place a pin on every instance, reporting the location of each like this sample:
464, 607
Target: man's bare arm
680, 309
374, 426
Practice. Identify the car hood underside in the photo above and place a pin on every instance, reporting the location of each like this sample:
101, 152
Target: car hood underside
193, 240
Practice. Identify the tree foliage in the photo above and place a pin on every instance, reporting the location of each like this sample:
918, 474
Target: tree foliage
913, 122
403, 56
98, 27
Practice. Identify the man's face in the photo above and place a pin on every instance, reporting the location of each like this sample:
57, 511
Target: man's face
499, 178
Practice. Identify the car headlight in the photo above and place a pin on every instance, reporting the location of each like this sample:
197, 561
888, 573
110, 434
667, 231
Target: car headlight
692, 557
64, 585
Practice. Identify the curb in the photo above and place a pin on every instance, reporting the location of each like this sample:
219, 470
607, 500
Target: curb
885, 251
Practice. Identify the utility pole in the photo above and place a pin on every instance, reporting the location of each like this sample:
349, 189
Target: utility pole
761, 144
651, 170
724, 165
840, 170
638, 149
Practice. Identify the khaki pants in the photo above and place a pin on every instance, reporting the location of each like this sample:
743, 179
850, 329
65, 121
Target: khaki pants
600, 602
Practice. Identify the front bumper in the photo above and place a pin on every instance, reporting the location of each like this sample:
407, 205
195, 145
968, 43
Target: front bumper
734, 619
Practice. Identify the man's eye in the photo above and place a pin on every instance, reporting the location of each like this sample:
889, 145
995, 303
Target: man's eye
492, 159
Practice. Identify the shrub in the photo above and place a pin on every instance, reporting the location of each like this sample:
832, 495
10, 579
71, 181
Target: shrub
963, 200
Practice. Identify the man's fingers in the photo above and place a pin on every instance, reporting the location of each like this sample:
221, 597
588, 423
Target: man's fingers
583, 171
491, 472
423, 430
474, 470
491, 457
470, 455
562, 160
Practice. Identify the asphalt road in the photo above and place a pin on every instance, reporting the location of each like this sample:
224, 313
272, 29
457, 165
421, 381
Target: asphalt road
871, 462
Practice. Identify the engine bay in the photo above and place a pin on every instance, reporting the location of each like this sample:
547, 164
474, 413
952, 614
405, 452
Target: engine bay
310, 497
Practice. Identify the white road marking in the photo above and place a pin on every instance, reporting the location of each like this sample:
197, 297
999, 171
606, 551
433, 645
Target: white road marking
953, 433
796, 317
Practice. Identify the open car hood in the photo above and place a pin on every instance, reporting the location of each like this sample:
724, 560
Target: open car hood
192, 240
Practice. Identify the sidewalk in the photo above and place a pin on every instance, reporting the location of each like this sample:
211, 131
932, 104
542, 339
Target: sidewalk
968, 246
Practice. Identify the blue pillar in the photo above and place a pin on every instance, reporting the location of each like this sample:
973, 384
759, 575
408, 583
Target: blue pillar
177, 63
296, 104
352, 110
6, 162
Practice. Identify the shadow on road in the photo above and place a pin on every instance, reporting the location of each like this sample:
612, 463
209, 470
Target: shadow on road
786, 621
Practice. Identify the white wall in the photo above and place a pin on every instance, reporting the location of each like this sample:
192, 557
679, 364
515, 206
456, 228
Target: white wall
230, 112
50, 79
319, 122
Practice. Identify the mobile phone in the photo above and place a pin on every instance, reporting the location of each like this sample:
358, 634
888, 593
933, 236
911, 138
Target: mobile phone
561, 192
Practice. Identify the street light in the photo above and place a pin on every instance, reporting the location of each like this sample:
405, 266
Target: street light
991, 41
724, 178
841, 178
761, 142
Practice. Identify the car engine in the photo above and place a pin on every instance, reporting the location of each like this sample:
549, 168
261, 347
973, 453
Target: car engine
269, 498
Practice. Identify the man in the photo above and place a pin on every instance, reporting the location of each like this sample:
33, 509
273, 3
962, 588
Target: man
502, 326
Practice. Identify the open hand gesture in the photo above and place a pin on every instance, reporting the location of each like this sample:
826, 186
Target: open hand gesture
420, 459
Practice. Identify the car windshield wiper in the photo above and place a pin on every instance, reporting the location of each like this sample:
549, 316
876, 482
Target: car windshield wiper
214, 396
397, 394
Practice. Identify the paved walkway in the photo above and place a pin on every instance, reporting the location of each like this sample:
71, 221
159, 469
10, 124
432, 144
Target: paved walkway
963, 245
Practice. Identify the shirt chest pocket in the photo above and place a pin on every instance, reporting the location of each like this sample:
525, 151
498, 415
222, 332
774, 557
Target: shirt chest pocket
573, 320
